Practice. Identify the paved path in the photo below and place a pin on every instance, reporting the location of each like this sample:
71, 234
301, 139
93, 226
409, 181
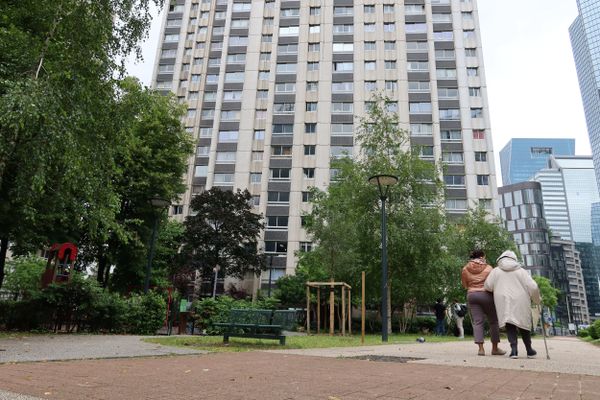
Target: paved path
69, 347
324, 375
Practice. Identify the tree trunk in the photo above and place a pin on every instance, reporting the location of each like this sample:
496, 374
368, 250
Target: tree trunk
3, 251
101, 267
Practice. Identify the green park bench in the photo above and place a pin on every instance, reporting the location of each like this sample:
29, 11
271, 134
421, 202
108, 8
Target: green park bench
258, 324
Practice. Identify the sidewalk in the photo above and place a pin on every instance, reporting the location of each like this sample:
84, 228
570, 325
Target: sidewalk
324, 375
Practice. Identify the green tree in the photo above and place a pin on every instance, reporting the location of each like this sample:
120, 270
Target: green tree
548, 292
24, 275
57, 134
223, 232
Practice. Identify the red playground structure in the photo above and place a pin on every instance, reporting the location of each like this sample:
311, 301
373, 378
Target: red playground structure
61, 263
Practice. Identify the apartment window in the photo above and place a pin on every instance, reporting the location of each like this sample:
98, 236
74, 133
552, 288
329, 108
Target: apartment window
220, 14
193, 96
391, 106
444, 36
286, 68
172, 38
445, 73
260, 114
342, 87
343, 66
456, 204
419, 27
280, 173
288, 48
290, 12
283, 129
450, 114
389, 45
311, 106
342, 129
452, 157
448, 93
216, 46
217, 30
418, 86
240, 23
238, 40
314, 47
166, 68
475, 92
306, 197
255, 178
284, 108
483, 180
369, 27
369, 9
345, 10
173, 23
223, 179
469, 35
312, 66
191, 113
275, 247
305, 247
310, 150
419, 108
389, 27
205, 132
417, 46
476, 112
185, 67
391, 85
266, 38
451, 135
202, 151
343, 29
309, 173
467, 15
343, 47
426, 151
257, 155
314, 29
285, 87
210, 96
259, 135
262, 94
481, 156
342, 107
486, 204
370, 65
390, 64
472, 71
214, 62
236, 59
341, 151
388, 8
172, 53
414, 9
228, 136
369, 46
263, 75
478, 134
242, 7
278, 197
421, 129
282, 151
234, 77
312, 86
265, 56
471, 52
454, 180
200, 171
233, 115
315, 11
418, 66
232, 95
441, 17
227, 157
445, 54
310, 128
288, 30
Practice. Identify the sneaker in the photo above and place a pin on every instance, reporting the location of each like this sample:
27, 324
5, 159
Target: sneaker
531, 353
514, 354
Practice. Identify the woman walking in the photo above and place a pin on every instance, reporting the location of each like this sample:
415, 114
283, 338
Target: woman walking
481, 302
514, 290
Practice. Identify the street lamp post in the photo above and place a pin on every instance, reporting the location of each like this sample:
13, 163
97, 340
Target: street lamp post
158, 204
383, 183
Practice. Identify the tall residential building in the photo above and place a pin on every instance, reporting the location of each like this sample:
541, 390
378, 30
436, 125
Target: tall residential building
521, 158
273, 90
585, 40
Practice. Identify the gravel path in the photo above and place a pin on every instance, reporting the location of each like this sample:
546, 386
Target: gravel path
15, 396
75, 347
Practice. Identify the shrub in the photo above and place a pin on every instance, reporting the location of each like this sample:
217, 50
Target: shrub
583, 333
145, 313
594, 330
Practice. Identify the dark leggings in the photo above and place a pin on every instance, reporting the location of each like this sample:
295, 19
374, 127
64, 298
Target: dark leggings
511, 333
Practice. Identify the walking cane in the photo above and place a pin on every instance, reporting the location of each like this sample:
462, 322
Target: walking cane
541, 310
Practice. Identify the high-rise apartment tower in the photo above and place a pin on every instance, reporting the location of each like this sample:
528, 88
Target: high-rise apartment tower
273, 90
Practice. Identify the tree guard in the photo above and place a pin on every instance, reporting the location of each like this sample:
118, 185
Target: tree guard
345, 304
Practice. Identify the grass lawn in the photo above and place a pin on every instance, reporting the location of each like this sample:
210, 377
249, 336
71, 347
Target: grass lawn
215, 343
592, 341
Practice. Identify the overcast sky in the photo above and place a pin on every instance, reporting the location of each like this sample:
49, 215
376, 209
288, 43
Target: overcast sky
532, 84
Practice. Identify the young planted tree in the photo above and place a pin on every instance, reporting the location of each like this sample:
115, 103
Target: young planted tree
223, 232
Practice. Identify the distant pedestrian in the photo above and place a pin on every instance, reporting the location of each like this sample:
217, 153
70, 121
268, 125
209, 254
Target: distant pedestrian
514, 290
440, 317
481, 303
459, 310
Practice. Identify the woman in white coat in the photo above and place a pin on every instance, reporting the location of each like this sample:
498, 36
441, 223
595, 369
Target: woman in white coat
514, 290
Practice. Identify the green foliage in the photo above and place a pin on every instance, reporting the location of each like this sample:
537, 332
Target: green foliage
223, 232
291, 289
145, 313
549, 293
583, 332
23, 275
594, 330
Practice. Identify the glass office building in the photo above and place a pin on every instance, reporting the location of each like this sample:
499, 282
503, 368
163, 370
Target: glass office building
520, 159
585, 40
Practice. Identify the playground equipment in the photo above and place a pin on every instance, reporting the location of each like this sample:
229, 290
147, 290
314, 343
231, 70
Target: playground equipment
61, 263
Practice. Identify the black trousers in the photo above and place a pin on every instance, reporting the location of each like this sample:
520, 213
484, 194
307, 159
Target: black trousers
511, 333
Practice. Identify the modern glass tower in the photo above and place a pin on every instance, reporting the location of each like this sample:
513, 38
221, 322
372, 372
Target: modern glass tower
521, 158
585, 40
273, 90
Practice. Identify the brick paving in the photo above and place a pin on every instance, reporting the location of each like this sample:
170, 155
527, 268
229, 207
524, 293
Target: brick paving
264, 375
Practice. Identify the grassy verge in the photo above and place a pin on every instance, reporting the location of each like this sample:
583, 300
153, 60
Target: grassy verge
215, 343
590, 340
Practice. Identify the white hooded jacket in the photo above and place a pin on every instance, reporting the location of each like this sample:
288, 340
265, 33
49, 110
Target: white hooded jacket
514, 290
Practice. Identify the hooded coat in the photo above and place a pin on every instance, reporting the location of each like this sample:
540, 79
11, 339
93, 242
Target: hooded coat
474, 275
514, 290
